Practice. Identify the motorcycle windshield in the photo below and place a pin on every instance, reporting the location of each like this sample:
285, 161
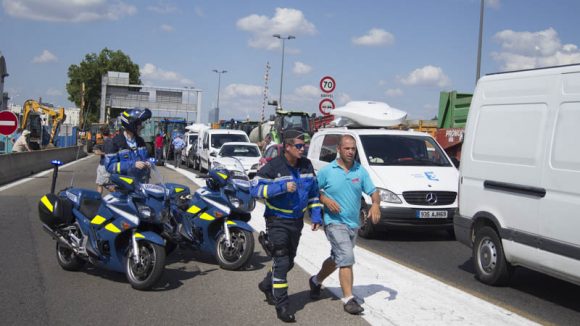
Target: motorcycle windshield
236, 168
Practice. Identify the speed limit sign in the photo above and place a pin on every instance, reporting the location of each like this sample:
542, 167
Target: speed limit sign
327, 84
326, 106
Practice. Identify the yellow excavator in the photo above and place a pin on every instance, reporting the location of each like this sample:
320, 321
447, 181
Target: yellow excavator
32, 120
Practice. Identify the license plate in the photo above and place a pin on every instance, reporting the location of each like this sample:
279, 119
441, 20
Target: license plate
432, 214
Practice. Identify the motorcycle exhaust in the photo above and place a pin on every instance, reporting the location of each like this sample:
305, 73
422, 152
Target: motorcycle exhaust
58, 237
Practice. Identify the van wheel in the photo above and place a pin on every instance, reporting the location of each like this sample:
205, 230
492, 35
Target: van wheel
489, 259
366, 229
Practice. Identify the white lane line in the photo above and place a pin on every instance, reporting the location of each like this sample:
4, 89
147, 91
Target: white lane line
40, 174
394, 294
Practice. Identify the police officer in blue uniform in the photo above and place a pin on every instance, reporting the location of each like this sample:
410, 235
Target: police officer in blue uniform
288, 186
128, 155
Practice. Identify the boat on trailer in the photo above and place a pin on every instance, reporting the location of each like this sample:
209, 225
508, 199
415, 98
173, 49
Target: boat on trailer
368, 114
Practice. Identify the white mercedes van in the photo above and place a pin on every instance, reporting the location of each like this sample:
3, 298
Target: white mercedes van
520, 174
416, 179
210, 141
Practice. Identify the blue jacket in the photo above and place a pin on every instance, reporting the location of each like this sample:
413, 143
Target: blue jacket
121, 158
270, 185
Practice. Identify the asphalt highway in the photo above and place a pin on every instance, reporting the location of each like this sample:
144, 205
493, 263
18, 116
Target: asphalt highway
193, 290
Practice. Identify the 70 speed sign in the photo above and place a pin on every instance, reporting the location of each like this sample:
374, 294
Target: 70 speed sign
327, 84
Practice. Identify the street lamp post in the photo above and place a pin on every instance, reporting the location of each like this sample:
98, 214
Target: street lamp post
289, 37
219, 72
477, 74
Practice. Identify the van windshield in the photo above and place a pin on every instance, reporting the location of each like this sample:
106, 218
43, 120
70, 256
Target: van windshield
393, 150
218, 140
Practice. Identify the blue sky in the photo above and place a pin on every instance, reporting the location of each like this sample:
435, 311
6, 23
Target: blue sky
399, 52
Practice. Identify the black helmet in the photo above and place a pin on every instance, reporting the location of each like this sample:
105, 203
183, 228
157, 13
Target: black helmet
133, 118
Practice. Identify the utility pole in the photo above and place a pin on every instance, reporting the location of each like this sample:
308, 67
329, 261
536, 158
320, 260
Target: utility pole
479, 42
81, 120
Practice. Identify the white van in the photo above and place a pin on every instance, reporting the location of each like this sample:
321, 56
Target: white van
520, 174
190, 138
210, 142
416, 179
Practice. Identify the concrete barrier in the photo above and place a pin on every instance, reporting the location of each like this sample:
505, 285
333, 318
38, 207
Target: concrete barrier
16, 166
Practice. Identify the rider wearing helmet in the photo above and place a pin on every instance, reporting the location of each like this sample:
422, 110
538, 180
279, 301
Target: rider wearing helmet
128, 155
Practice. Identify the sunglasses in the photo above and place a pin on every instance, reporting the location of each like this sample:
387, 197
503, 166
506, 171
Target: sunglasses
299, 146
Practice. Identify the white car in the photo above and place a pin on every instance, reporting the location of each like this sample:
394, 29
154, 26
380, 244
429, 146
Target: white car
247, 153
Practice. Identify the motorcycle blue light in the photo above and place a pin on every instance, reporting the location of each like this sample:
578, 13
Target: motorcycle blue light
56, 162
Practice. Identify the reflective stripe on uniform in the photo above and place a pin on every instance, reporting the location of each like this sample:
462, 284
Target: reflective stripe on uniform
280, 286
288, 211
119, 167
265, 191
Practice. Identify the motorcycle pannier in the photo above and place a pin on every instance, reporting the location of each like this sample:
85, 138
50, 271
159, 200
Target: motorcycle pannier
54, 210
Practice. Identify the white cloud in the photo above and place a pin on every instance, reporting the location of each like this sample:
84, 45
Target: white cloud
167, 28
286, 21
495, 4
162, 7
242, 90
151, 72
198, 11
307, 91
54, 92
68, 10
526, 50
375, 37
394, 92
343, 98
45, 57
426, 76
301, 68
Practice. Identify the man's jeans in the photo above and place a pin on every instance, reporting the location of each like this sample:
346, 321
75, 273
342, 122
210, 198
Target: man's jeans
177, 155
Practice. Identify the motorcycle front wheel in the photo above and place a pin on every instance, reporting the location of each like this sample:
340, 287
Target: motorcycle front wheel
238, 254
142, 275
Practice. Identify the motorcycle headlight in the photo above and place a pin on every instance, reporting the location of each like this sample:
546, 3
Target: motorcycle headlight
145, 212
234, 201
389, 196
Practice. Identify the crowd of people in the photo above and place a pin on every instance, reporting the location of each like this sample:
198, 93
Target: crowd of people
289, 187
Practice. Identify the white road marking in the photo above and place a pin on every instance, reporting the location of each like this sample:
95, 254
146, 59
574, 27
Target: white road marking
393, 294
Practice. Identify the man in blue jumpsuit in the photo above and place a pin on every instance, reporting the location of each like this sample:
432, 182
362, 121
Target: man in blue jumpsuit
288, 186
128, 155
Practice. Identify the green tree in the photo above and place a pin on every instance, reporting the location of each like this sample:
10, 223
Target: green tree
90, 71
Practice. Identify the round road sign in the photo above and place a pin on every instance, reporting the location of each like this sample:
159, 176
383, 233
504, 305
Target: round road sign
327, 84
8, 123
325, 106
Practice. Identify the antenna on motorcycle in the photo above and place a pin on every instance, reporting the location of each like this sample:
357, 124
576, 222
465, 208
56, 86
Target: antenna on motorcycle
56, 164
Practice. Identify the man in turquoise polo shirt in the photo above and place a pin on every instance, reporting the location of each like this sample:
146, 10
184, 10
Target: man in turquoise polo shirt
341, 184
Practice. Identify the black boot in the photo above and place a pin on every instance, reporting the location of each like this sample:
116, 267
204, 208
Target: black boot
267, 292
284, 315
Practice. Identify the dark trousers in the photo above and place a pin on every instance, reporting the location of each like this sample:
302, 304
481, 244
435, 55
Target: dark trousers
177, 155
159, 154
284, 235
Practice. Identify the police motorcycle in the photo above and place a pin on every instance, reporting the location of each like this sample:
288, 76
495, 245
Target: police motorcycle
113, 232
215, 218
